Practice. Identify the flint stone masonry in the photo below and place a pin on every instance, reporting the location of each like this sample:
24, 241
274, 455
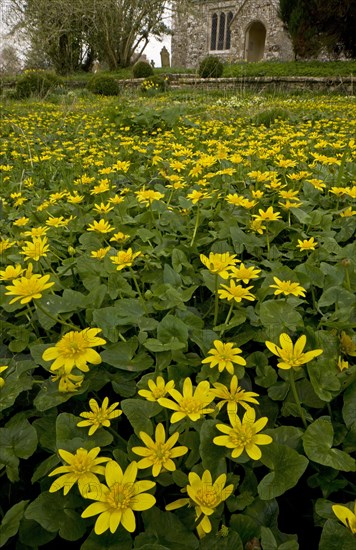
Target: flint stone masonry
256, 32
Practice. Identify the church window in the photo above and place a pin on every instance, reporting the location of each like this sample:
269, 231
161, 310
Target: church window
220, 34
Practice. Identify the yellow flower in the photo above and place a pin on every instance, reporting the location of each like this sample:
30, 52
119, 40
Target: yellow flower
74, 349
81, 468
100, 416
117, 501
287, 287
103, 208
233, 396
267, 216
100, 253
119, 237
342, 364
36, 232
116, 199
195, 196
147, 196
21, 221
124, 258
245, 274
189, 404
157, 389
2, 381
159, 453
5, 244
101, 226
243, 435
205, 496
235, 292
10, 272
307, 244
75, 198
30, 288
346, 516
224, 356
347, 344
35, 250
220, 264
68, 383
348, 212
292, 356
257, 226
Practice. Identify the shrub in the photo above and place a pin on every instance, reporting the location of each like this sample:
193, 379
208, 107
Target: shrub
37, 83
154, 84
142, 69
102, 84
210, 67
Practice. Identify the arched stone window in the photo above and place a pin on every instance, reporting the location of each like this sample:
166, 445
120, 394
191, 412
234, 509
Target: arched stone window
220, 34
214, 29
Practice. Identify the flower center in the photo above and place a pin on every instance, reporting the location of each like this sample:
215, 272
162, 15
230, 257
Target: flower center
208, 497
81, 464
190, 405
242, 437
120, 496
158, 392
161, 453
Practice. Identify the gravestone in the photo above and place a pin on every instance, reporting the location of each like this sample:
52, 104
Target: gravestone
165, 62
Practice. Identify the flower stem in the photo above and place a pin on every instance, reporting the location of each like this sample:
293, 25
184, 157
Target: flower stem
216, 307
225, 327
54, 318
296, 397
196, 226
137, 288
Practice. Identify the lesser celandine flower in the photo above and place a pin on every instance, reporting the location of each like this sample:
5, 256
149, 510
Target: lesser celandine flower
342, 364
119, 499
243, 435
81, 468
29, 288
5, 244
292, 356
100, 253
35, 232
235, 292
36, 249
205, 495
11, 272
21, 221
347, 344
147, 196
224, 356
245, 274
2, 369
119, 237
219, 264
159, 453
307, 244
68, 382
124, 258
156, 389
287, 288
99, 416
75, 349
233, 396
189, 403
346, 516
102, 226
267, 215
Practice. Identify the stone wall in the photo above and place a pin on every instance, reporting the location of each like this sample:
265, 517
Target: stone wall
192, 32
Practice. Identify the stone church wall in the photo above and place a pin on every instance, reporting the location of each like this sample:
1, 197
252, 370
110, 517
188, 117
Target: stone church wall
192, 33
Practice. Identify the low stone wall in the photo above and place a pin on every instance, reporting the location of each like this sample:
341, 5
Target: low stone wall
343, 85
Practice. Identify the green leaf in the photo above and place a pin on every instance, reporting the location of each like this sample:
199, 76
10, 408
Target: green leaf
56, 513
44, 468
323, 376
335, 536
279, 316
348, 410
17, 440
286, 435
169, 530
11, 521
267, 539
139, 413
287, 467
119, 355
49, 396
213, 456
32, 535
18, 380
172, 328
70, 437
318, 440
120, 540
217, 541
